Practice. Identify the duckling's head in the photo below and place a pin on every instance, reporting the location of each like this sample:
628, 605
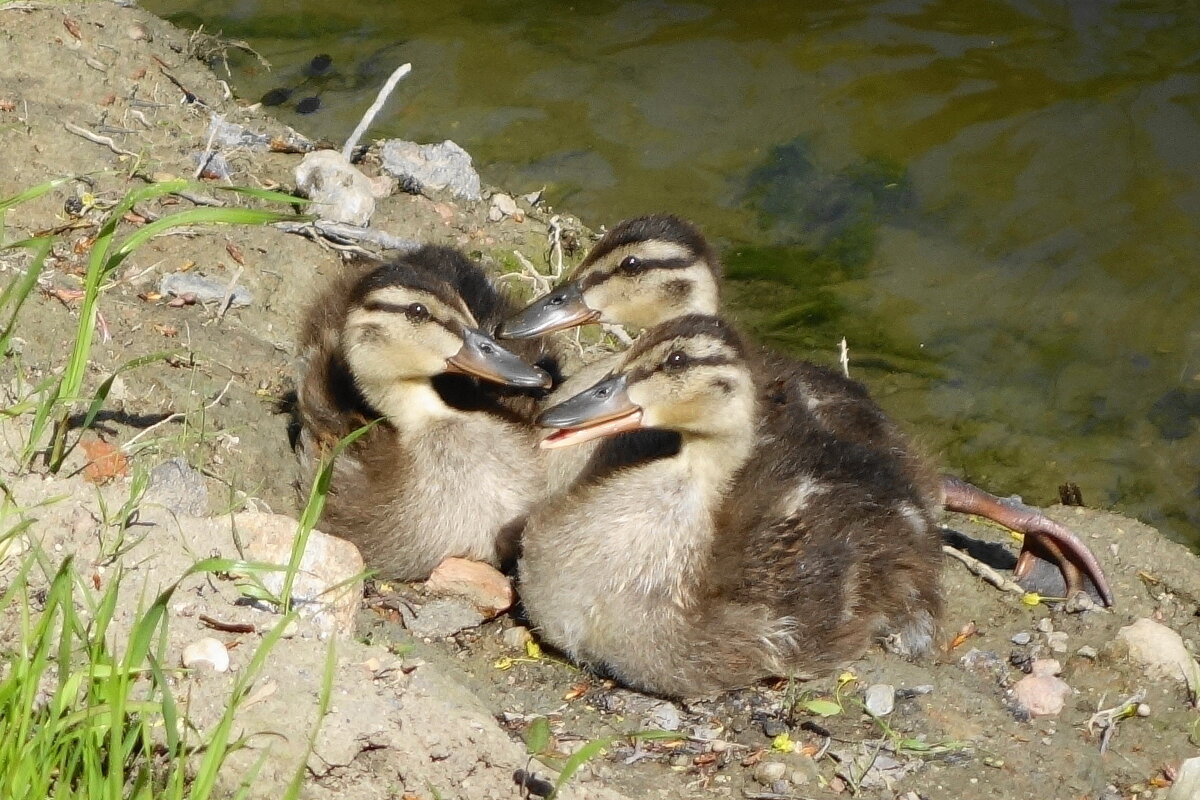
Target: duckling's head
405, 324
688, 375
644, 271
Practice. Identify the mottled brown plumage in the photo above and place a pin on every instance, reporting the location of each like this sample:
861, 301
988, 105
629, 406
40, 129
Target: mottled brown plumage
451, 468
651, 269
736, 555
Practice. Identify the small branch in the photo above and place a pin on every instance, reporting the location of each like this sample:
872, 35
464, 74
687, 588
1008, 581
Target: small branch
844, 356
340, 232
214, 126
369, 117
177, 416
978, 568
227, 300
98, 139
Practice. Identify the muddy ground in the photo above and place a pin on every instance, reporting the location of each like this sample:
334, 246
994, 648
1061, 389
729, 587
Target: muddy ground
445, 718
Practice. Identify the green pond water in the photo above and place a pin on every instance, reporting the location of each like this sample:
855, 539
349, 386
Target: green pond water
995, 202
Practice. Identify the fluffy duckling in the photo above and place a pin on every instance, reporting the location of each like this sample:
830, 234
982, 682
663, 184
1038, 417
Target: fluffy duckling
656, 268
401, 343
740, 556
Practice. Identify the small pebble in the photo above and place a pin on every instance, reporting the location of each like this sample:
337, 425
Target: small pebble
139, 33
1087, 651
772, 727
1057, 641
1143, 710
880, 699
1021, 638
1041, 694
516, 637
767, 772
1045, 625
206, 652
914, 691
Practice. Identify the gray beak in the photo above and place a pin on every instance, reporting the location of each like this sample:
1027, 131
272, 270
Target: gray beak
562, 308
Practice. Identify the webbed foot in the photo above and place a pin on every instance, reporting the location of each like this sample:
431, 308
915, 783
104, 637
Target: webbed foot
1046, 541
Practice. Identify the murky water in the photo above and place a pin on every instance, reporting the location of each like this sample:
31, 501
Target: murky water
996, 202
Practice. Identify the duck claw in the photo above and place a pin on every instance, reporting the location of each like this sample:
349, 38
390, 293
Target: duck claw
1045, 540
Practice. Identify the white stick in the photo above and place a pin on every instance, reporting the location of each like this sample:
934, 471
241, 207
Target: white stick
844, 356
380, 99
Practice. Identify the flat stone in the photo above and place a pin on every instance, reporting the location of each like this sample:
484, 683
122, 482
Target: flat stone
338, 190
480, 584
442, 617
444, 167
327, 562
1157, 648
1022, 638
1057, 641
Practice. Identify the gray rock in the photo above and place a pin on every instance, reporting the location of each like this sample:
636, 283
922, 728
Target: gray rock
338, 190
880, 699
1022, 638
1045, 625
174, 485
664, 716
1187, 781
1088, 652
202, 289
230, 135
441, 617
767, 772
432, 167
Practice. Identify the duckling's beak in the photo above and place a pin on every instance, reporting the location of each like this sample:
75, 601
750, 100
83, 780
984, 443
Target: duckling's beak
603, 410
562, 308
482, 356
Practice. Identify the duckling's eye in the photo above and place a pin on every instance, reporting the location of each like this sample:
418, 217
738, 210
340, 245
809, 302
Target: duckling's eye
417, 312
487, 348
676, 360
557, 300
630, 264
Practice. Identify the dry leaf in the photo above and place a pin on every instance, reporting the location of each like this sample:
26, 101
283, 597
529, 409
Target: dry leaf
108, 99
576, 691
133, 219
170, 331
966, 632
72, 27
65, 296
235, 253
105, 462
138, 73
150, 297
8, 105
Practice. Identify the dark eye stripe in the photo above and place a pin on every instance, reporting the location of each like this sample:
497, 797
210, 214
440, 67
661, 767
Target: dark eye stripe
649, 265
641, 373
396, 308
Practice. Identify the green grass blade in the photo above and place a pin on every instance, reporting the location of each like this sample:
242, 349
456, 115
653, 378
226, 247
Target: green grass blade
313, 508
32, 193
195, 216
266, 194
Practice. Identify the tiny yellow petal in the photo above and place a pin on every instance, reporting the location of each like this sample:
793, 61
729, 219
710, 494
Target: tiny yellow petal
533, 649
782, 743
1031, 598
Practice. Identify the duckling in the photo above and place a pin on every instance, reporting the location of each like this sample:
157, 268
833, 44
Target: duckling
739, 555
655, 268
436, 477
